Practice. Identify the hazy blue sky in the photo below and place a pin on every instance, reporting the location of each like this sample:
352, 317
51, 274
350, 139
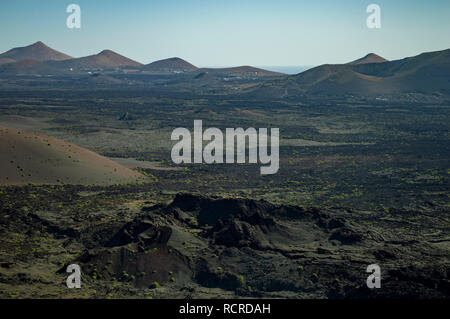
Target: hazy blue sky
230, 32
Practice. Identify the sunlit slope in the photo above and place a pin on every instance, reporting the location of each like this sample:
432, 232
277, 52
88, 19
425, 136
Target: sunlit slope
27, 157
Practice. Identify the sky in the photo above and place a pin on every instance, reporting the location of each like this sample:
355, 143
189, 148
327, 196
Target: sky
230, 32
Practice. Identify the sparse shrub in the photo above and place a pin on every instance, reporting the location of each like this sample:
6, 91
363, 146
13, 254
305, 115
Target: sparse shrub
154, 285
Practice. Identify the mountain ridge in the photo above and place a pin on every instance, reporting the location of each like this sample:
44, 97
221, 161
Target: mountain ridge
424, 73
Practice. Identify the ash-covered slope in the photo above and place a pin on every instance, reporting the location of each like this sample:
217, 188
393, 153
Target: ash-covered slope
27, 157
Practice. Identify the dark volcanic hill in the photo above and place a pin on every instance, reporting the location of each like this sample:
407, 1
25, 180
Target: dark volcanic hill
37, 51
370, 58
106, 59
426, 73
197, 247
169, 65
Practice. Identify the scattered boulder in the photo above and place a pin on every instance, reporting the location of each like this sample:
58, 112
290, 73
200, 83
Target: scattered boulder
125, 117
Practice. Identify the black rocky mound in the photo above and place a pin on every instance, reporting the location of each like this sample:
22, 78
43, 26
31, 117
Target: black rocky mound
251, 248
213, 247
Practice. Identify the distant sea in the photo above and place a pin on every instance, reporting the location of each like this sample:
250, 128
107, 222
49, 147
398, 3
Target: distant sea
287, 69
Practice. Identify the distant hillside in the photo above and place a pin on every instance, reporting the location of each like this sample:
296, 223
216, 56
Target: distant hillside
426, 73
28, 67
106, 59
27, 157
96, 79
37, 51
430, 64
240, 71
169, 65
6, 61
370, 58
